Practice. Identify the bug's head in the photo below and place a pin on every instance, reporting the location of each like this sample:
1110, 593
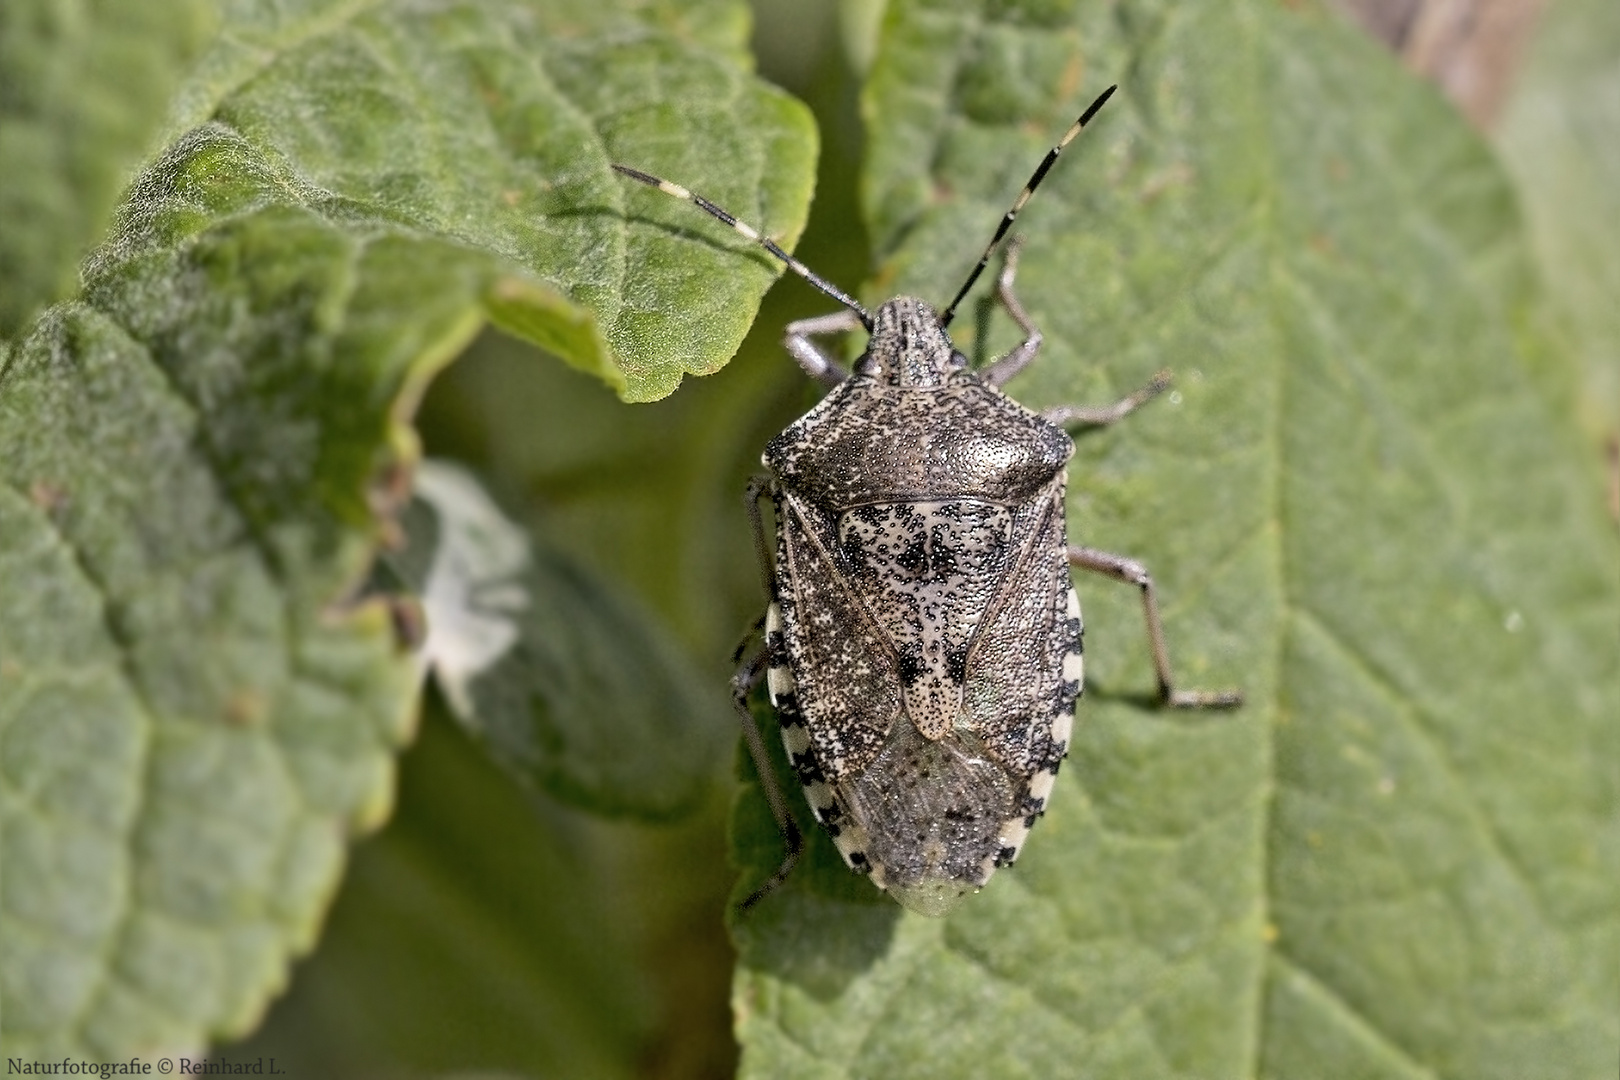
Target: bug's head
909, 346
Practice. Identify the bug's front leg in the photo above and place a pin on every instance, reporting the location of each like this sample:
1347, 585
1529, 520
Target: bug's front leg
999, 372
816, 363
1131, 572
1065, 416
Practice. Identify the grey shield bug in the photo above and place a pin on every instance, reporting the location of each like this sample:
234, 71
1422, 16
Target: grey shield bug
923, 639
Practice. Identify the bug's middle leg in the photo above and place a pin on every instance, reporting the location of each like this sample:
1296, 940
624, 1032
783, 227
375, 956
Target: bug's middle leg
1079, 416
1001, 370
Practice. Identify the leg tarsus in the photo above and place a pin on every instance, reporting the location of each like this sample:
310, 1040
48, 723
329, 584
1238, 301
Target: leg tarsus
755, 629
817, 364
1131, 572
795, 843
758, 486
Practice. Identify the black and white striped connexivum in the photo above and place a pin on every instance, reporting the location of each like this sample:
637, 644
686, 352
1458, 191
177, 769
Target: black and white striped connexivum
923, 639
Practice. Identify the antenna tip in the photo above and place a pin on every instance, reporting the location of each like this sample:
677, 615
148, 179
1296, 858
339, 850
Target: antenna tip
1102, 99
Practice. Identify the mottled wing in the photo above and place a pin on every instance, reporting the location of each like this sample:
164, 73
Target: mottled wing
835, 680
1024, 670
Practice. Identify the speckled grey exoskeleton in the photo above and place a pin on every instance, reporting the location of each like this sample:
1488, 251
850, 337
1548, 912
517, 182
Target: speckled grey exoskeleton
923, 638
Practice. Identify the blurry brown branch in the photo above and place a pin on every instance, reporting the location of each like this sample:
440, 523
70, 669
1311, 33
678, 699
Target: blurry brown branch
1471, 48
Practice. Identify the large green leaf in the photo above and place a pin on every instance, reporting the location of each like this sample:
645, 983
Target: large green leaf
475, 123
193, 715
203, 452
490, 124
1402, 856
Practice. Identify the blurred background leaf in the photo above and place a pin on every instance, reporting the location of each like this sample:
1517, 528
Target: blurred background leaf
481, 930
1558, 139
563, 678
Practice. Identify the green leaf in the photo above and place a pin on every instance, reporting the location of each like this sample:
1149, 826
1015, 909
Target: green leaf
1557, 139
567, 683
83, 91
482, 125
204, 451
493, 125
193, 715
1402, 856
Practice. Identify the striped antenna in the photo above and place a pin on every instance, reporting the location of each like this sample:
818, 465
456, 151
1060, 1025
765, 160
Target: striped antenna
1023, 197
753, 234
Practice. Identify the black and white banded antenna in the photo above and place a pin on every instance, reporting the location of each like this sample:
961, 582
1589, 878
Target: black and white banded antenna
752, 234
1023, 197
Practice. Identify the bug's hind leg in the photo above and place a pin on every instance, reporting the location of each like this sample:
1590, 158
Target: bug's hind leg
748, 674
1131, 572
1065, 416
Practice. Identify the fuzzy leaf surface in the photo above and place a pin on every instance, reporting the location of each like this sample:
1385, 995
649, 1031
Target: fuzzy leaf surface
492, 125
193, 713
205, 449
1401, 857
84, 88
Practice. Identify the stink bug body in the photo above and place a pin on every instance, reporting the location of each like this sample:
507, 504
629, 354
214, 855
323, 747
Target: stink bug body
923, 639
